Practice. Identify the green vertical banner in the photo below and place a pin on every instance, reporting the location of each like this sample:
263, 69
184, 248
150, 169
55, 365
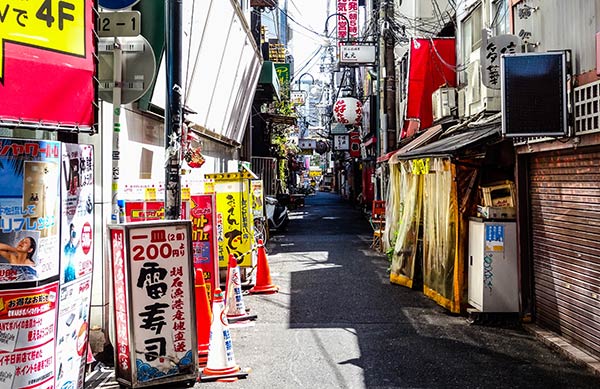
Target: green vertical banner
283, 74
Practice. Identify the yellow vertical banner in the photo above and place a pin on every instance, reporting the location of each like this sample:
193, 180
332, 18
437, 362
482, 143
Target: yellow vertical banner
234, 232
256, 195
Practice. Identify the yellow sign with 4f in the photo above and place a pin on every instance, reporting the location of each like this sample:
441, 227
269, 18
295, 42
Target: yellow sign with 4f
56, 25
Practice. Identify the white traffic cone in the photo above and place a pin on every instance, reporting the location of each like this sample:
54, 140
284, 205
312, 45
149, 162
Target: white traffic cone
221, 361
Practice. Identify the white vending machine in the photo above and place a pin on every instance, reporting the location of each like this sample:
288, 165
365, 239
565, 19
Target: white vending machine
493, 270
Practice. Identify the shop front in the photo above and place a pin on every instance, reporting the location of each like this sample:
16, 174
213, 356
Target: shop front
433, 193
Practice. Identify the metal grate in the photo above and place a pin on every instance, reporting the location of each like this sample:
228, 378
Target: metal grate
587, 108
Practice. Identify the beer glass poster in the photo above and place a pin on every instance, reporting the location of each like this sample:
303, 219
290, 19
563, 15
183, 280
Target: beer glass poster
160, 286
29, 209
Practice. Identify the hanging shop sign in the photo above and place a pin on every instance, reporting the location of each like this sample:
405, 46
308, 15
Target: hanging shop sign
492, 48
29, 209
55, 44
27, 338
153, 303
359, 54
341, 142
204, 240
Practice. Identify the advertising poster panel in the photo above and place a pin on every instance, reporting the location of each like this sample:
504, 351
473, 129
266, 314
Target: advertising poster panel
204, 240
256, 195
27, 342
72, 330
139, 211
153, 272
29, 210
234, 231
77, 187
53, 41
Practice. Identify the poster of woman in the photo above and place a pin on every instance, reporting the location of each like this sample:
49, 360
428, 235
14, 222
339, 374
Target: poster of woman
29, 210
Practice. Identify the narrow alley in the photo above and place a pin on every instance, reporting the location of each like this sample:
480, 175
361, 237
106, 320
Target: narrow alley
337, 322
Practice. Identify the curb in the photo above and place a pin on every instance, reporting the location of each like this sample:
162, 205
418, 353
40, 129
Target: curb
565, 347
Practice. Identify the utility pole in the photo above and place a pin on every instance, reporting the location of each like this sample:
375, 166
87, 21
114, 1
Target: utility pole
390, 80
386, 80
174, 108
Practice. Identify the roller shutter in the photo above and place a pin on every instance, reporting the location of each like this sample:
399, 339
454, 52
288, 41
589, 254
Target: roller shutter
565, 212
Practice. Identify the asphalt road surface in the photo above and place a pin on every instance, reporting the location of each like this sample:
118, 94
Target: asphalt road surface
337, 322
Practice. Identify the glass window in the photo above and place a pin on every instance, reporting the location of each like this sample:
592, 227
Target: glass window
500, 19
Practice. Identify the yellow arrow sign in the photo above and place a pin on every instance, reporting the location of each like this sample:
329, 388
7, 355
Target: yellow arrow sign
56, 25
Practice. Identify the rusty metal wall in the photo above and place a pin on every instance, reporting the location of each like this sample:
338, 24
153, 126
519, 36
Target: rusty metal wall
565, 213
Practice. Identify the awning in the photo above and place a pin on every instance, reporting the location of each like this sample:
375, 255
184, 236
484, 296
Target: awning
453, 144
372, 140
268, 83
387, 156
421, 139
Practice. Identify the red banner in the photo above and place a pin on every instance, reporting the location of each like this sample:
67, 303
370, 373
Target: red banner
431, 65
46, 62
347, 25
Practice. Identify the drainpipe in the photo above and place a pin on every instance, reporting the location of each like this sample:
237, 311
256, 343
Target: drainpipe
174, 111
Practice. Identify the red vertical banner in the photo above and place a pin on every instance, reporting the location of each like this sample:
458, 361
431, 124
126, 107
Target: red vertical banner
204, 240
347, 20
27, 341
121, 308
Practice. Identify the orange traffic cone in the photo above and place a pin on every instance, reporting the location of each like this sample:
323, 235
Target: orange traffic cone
263, 274
221, 364
235, 307
203, 317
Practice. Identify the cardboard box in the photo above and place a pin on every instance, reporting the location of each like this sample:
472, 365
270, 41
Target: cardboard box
500, 194
497, 212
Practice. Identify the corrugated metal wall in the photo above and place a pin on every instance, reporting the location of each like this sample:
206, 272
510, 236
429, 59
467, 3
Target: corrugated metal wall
565, 211
265, 168
560, 24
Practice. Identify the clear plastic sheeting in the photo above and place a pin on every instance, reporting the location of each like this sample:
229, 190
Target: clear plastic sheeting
440, 235
405, 203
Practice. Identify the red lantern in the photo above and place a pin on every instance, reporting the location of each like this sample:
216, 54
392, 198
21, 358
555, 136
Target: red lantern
348, 111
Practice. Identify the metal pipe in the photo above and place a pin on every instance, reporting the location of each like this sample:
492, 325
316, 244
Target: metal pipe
174, 108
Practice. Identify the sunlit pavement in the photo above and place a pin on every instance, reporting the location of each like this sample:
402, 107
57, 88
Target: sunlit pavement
337, 322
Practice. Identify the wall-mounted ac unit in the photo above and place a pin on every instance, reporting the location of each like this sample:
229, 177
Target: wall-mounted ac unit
443, 103
479, 98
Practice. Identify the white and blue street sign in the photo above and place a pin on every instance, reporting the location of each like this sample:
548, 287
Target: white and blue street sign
117, 4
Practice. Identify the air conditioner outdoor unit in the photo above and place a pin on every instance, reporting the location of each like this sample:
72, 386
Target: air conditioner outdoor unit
479, 98
443, 102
